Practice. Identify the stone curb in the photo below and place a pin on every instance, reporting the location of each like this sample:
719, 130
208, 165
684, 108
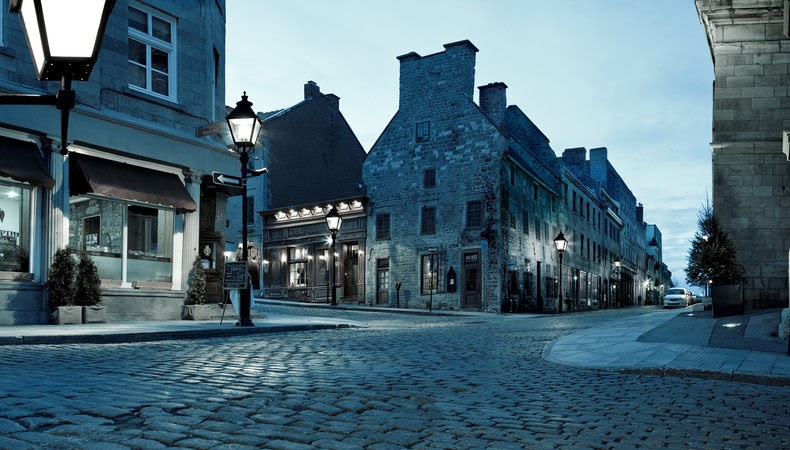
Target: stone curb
122, 338
768, 380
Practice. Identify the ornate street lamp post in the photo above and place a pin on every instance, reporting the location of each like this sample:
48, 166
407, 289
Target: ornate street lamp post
244, 127
333, 222
64, 38
561, 244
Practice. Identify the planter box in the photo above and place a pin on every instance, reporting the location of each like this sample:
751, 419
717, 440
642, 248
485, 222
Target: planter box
67, 315
94, 314
727, 300
196, 312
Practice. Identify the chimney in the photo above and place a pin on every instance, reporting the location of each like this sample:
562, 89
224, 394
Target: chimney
493, 101
640, 213
445, 74
311, 90
575, 156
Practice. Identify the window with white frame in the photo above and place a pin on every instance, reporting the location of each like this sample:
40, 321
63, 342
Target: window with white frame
16, 226
152, 56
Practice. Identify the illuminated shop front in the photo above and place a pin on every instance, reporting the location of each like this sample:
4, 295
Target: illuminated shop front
297, 259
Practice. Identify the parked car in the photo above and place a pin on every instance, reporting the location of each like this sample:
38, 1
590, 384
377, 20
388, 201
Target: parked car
677, 297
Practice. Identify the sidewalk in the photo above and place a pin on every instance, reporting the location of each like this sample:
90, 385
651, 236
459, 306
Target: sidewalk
682, 343
145, 331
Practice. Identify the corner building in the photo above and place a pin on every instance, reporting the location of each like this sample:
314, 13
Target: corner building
135, 190
465, 202
750, 46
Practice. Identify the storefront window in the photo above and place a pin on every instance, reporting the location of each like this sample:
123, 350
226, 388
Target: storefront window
297, 266
97, 226
15, 228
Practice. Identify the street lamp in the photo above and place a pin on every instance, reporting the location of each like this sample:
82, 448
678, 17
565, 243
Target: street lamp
333, 221
561, 244
244, 126
64, 38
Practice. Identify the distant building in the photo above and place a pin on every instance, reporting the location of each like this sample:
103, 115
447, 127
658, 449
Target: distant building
135, 190
750, 48
314, 162
465, 201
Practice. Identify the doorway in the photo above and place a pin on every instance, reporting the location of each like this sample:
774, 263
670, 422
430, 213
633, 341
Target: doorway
471, 297
382, 281
350, 269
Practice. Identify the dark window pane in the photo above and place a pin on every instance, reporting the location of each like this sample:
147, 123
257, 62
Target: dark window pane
137, 52
137, 76
159, 60
160, 83
428, 222
161, 29
138, 20
429, 178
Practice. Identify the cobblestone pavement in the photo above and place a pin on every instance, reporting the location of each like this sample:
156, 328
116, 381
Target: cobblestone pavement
402, 381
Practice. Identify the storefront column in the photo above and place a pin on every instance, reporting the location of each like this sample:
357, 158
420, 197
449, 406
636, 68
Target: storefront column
191, 234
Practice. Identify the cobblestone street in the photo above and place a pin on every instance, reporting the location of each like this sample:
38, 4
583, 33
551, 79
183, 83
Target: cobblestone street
399, 381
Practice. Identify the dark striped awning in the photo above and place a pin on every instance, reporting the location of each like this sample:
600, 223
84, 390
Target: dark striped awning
21, 160
90, 175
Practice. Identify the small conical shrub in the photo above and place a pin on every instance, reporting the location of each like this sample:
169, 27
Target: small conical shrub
88, 283
60, 281
196, 292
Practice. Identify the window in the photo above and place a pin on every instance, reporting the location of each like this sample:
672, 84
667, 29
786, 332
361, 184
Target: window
97, 225
537, 229
151, 52
297, 266
786, 142
428, 220
574, 201
525, 222
429, 178
16, 228
382, 227
432, 274
535, 191
423, 131
512, 175
474, 214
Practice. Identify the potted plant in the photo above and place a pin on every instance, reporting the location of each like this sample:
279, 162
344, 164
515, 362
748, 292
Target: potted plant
195, 307
60, 289
712, 260
88, 291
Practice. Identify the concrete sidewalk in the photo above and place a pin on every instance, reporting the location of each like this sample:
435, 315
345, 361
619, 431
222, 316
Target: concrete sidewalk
145, 331
682, 343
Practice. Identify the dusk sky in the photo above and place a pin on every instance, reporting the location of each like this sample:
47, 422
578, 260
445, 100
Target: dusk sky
632, 76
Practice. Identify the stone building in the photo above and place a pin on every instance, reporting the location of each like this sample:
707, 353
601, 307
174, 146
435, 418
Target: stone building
135, 189
314, 162
751, 120
465, 202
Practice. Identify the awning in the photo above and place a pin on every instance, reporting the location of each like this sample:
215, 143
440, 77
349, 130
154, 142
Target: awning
124, 181
21, 161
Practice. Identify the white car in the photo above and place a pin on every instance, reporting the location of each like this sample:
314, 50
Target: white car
677, 297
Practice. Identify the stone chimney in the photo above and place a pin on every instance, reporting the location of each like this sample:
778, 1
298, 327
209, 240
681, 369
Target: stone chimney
575, 156
311, 90
493, 102
445, 74
640, 213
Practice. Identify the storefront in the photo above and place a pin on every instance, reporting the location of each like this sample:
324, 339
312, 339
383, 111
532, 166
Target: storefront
297, 258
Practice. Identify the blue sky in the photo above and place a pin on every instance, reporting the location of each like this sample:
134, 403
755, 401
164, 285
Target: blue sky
634, 76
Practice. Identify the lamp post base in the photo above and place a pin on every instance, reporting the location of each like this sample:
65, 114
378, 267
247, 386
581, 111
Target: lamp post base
245, 323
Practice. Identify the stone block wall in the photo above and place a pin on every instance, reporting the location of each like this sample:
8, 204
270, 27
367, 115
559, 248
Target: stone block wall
751, 113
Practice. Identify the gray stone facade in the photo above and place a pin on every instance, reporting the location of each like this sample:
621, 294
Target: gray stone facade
127, 112
751, 116
466, 200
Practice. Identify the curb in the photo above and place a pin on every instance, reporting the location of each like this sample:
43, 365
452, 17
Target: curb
767, 380
124, 338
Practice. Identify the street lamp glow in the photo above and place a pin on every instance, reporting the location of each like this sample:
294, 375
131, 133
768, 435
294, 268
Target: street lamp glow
243, 123
64, 36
